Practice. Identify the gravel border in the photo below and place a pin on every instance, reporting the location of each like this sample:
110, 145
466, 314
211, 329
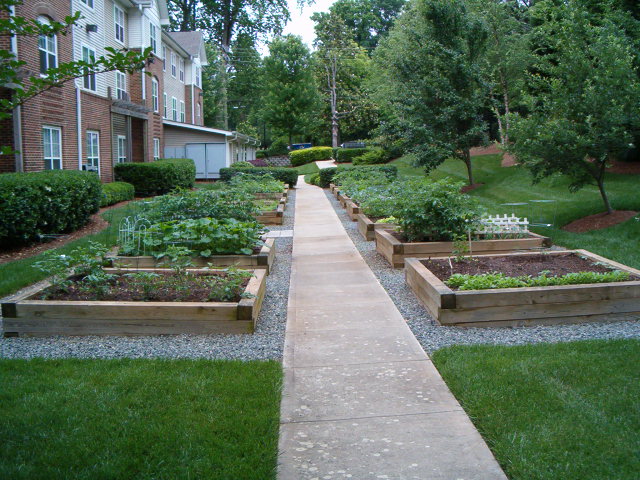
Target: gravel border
266, 343
433, 336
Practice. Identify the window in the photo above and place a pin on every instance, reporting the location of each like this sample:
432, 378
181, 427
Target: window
164, 58
121, 86
48, 48
88, 3
153, 42
166, 107
122, 149
51, 147
156, 148
198, 77
173, 65
154, 95
174, 109
182, 70
118, 15
93, 149
89, 56
198, 113
182, 111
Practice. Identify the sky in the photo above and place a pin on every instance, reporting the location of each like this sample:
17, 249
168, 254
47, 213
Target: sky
300, 23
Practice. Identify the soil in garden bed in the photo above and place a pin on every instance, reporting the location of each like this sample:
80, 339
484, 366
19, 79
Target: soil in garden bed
516, 265
189, 288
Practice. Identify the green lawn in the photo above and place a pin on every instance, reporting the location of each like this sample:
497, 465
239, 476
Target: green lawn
142, 419
308, 169
554, 411
513, 185
18, 274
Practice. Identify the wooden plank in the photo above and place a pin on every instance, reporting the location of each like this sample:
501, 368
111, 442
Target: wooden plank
611, 263
477, 246
353, 210
427, 286
553, 294
546, 310
607, 318
365, 227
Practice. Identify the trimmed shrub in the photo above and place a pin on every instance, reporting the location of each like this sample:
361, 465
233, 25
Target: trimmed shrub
346, 155
372, 157
325, 176
261, 153
51, 202
286, 175
278, 147
308, 155
115, 192
314, 179
159, 177
242, 164
334, 153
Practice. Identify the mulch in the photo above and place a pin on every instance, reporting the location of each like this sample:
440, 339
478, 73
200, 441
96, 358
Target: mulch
508, 160
514, 265
468, 188
96, 225
599, 221
628, 168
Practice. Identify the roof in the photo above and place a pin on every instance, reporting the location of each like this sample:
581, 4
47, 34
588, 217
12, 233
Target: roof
236, 135
192, 43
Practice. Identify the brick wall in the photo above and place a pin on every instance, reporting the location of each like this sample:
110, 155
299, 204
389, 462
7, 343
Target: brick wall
56, 107
96, 116
7, 162
154, 122
196, 99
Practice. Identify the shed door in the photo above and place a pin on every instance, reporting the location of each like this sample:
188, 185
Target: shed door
198, 153
216, 159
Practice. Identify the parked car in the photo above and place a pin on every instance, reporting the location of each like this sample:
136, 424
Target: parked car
299, 146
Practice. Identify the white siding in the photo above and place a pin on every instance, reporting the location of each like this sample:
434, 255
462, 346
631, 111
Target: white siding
110, 38
173, 86
93, 40
178, 137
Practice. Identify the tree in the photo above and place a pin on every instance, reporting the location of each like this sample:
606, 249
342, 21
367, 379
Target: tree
26, 85
367, 20
290, 96
342, 65
585, 112
428, 80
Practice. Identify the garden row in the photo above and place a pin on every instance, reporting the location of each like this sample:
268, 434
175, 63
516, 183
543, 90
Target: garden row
469, 268
191, 261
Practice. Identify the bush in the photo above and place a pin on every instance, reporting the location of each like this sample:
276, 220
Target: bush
261, 153
159, 177
116, 192
372, 157
278, 147
308, 155
286, 175
241, 164
325, 176
51, 202
346, 155
334, 153
314, 179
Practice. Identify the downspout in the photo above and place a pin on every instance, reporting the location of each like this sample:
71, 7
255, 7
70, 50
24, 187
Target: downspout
142, 33
79, 127
193, 106
17, 111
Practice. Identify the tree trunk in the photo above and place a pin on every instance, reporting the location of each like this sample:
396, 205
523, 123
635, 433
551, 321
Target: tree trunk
505, 138
500, 127
467, 161
600, 182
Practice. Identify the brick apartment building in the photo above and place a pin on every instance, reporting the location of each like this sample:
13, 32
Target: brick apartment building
99, 120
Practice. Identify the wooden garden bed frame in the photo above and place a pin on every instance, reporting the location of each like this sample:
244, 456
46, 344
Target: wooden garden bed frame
261, 260
22, 315
368, 227
395, 251
514, 307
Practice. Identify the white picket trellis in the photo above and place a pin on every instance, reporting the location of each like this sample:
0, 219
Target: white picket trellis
133, 231
505, 224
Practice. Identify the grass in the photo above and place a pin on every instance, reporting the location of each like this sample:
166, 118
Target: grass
513, 185
553, 411
20, 273
142, 419
308, 169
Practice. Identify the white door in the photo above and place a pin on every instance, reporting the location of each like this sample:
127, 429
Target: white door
198, 153
216, 159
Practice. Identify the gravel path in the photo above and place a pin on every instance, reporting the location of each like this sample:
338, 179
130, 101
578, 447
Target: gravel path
265, 344
432, 336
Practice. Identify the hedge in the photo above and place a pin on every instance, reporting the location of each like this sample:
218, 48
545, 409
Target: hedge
326, 174
308, 155
115, 192
41, 203
159, 177
346, 155
372, 157
286, 175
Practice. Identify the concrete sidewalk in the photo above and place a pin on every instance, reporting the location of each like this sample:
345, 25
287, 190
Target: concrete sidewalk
361, 398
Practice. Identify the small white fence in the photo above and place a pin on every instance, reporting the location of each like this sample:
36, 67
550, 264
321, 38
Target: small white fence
504, 225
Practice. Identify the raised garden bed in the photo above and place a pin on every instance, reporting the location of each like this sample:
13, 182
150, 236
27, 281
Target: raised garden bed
282, 197
395, 251
353, 210
273, 217
263, 259
26, 315
368, 227
548, 305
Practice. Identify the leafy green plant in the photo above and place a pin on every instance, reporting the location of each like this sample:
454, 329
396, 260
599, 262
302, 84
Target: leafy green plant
308, 155
115, 192
461, 248
241, 164
159, 177
372, 157
285, 175
499, 280
146, 281
256, 184
346, 155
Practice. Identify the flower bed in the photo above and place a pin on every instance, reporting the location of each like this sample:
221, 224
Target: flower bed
262, 259
395, 251
523, 306
27, 314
